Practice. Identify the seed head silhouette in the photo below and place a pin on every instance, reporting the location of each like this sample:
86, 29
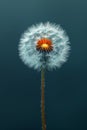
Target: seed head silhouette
44, 46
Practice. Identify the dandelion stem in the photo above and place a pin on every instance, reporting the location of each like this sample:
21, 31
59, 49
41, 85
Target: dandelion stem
43, 100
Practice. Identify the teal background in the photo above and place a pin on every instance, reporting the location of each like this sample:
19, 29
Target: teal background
66, 88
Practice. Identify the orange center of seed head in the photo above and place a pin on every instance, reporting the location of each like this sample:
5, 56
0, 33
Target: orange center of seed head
45, 45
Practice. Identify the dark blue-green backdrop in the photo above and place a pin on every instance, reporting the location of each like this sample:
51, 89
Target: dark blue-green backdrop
66, 88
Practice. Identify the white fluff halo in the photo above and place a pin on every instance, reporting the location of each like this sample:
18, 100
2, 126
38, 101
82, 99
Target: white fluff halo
33, 58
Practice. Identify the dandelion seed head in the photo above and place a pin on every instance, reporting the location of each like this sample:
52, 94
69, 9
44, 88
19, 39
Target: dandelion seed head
44, 45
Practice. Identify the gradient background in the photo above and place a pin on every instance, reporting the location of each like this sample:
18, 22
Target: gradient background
66, 88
